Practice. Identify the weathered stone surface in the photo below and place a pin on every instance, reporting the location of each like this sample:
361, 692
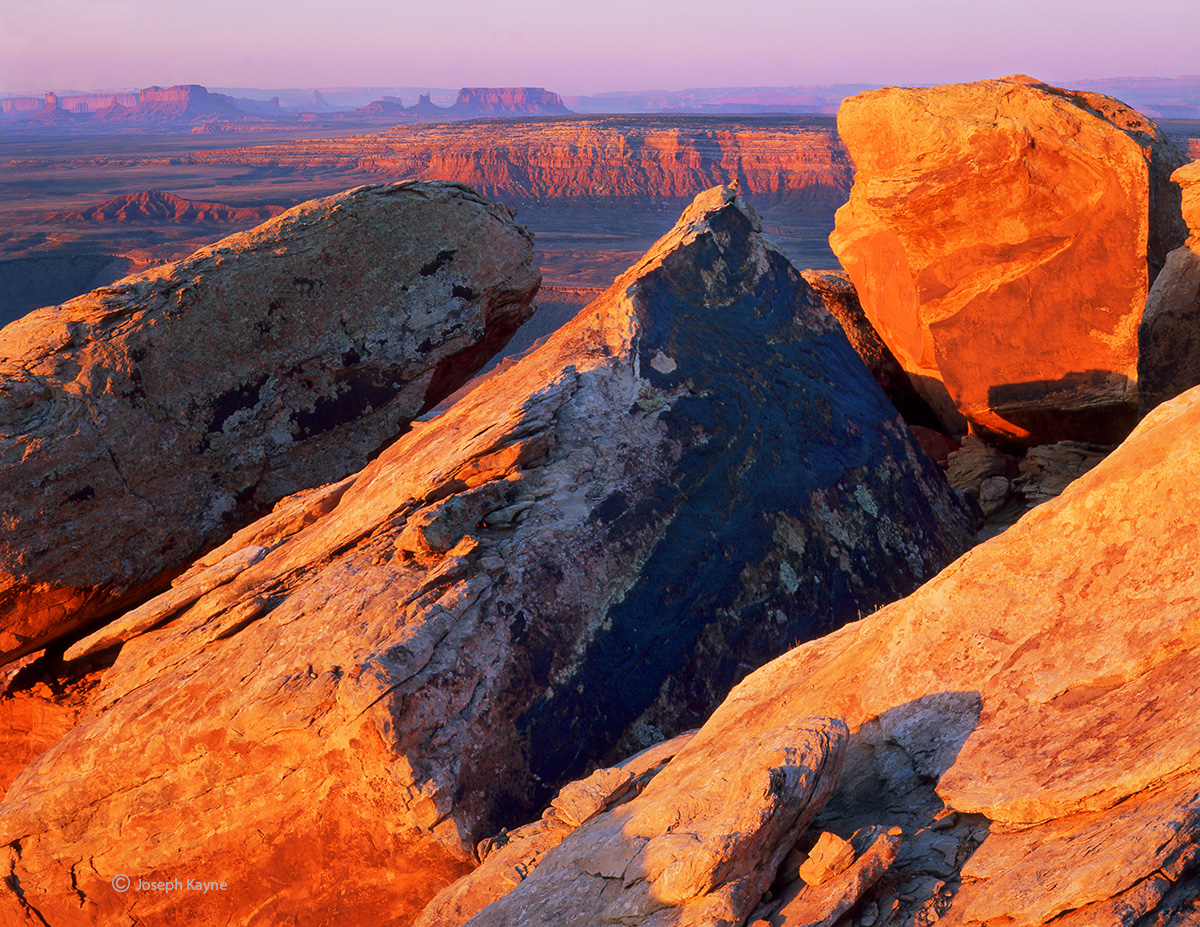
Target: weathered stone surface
872, 851
1002, 236
147, 421
1169, 333
1044, 685
575, 559
974, 463
699, 846
830, 856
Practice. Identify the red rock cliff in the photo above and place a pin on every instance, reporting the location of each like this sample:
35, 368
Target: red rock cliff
795, 160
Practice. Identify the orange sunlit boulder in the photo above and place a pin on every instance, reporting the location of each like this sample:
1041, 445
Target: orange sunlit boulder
1002, 236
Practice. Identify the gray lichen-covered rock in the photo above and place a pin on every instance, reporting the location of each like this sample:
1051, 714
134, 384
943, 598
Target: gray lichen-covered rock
146, 421
580, 556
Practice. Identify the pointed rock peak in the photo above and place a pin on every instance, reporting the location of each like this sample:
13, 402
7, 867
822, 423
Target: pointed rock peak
719, 209
716, 200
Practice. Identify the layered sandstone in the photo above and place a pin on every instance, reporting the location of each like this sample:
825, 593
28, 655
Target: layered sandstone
149, 420
580, 556
1003, 236
1025, 723
1169, 333
789, 160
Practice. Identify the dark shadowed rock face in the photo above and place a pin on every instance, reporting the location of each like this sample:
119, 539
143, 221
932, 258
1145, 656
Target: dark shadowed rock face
838, 296
1023, 727
581, 555
146, 421
1169, 333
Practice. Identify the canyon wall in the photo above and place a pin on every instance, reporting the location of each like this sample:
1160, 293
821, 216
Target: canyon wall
798, 161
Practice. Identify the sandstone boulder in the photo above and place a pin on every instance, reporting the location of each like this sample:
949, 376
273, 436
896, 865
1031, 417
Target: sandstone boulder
1003, 236
579, 557
1169, 333
149, 420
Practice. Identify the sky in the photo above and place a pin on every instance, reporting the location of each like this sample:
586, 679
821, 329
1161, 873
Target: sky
585, 46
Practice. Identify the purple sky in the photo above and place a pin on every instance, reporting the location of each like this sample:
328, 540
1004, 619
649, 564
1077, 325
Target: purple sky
586, 46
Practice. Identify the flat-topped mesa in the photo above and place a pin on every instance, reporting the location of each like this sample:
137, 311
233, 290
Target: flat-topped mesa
149, 420
579, 557
503, 101
1002, 236
581, 161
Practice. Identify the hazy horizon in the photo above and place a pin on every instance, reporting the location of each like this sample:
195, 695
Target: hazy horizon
626, 46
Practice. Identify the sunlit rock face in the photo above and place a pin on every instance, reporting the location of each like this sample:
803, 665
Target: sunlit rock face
149, 420
1025, 726
1002, 236
1169, 334
581, 556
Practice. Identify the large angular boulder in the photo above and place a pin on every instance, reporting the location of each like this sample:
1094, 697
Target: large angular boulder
1169, 333
1003, 236
579, 557
147, 421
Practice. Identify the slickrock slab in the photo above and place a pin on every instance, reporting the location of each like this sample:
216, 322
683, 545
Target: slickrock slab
579, 557
1169, 333
1002, 236
699, 846
146, 421
1073, 785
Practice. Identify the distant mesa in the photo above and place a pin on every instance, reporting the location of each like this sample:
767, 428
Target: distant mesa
156, 206
506, 101
383, 107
